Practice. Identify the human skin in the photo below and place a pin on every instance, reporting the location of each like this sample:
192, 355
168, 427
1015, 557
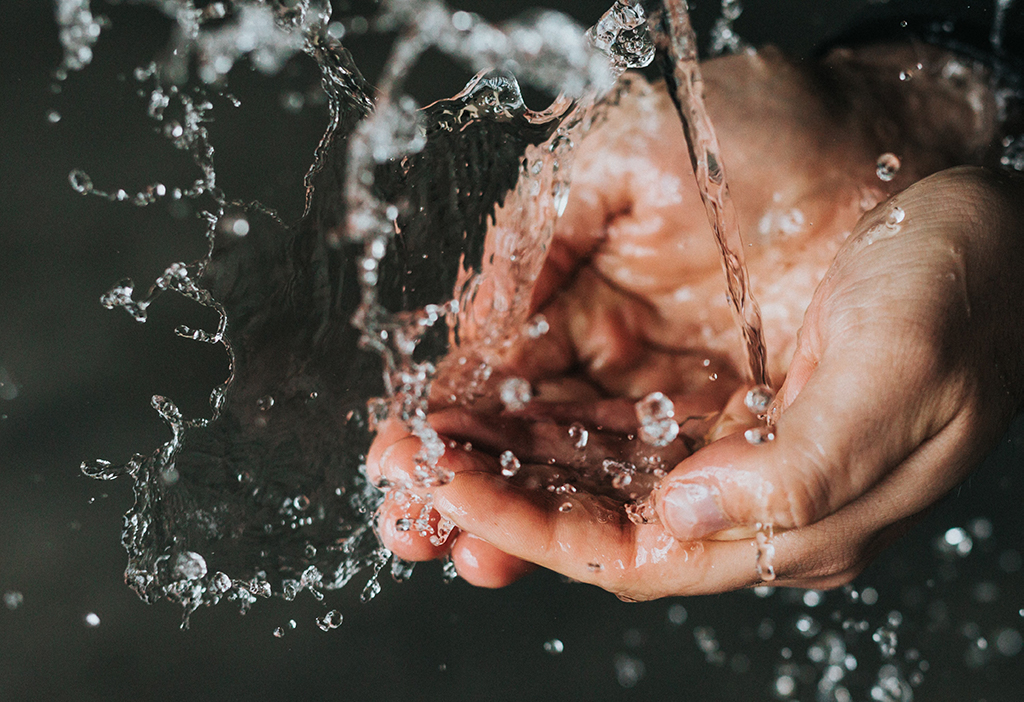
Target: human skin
891, 315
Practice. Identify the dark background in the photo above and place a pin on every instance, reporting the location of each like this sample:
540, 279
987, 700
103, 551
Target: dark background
83, 378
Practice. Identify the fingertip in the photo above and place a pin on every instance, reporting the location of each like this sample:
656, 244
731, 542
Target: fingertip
389, 432
397, 531
481, 564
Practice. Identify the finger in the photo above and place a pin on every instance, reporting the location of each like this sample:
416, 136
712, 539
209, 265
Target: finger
481, 564
398, 528
593, 542
388, 433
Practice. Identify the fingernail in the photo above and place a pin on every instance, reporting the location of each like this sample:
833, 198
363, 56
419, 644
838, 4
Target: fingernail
691, 511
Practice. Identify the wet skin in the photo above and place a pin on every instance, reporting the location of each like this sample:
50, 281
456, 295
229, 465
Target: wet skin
894, 345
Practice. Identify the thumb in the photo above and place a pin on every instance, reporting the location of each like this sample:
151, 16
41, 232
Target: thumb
852, 409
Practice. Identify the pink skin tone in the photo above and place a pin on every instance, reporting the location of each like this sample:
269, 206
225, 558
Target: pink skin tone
893, 336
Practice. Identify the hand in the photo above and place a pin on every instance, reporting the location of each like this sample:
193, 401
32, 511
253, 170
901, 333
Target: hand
892, 394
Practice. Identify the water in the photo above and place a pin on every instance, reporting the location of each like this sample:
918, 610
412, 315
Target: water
677, 46
316, 509
296, 502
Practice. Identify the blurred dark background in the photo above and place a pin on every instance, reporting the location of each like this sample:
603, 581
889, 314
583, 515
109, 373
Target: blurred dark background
75, 383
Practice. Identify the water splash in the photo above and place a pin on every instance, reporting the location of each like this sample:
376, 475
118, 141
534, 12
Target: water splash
267, 495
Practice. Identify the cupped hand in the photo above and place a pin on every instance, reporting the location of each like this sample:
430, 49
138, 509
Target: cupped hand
904, 372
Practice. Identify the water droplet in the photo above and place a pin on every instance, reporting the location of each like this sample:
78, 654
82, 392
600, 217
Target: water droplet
515, 394
80, 181
510, 465
101, 470
677, 615
330, 620
759, 398
622, 479
629, 670
887, 166
657, 424
538, 327
221, 582
554, 646
189, 565
896, 216
622, 35
642, 512
765, 559
579, 436
758, 435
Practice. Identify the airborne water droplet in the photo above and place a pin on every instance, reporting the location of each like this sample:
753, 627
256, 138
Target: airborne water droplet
80, 181
330, 620
510, 465
759, 399
657, 424
887, 166
515, 394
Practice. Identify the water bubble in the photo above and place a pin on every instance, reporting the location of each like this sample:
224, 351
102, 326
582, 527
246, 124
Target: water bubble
13, 599
265, 403
595, 567
510, 465
887, 166
330, 620
896, 216
53, 116
279, 632
565, 507
657, 424
869, 596
515, 394
189, 565
554, 646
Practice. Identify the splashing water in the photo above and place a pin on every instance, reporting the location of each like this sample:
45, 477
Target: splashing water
270, 487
